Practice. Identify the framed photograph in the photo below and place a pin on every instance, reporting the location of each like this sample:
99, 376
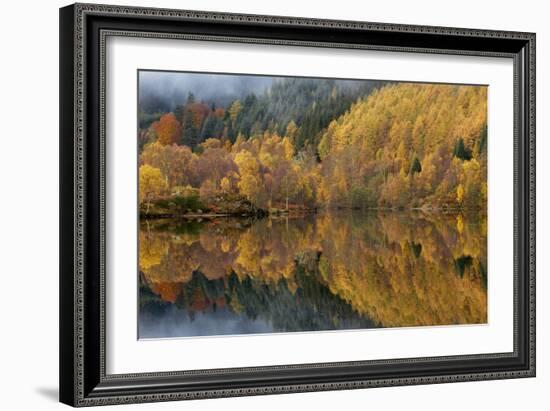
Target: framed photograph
261, 204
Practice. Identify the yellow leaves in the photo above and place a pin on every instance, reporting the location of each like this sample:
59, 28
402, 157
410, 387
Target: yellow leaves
459, 224
402, 152
211, 144
234, 110
152, 250
151, 183
337, 186
473, 181
419, 132
400, 121
288, 148
246, 162
396, 271
484, 191
163, 258
291, 130
324, 146
395, 193
250, 186
370, 156
460, 193
428, 297
249, 183
172, 160
269, 175
266, 159
225, 185
471, 167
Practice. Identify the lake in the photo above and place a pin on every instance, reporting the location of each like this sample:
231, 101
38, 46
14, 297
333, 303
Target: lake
314, 272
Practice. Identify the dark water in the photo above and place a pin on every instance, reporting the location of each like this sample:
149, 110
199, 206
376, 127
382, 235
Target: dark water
330, 271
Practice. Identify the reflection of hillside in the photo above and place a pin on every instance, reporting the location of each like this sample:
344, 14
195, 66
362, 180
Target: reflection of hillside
311, 307
396, 269
405, 274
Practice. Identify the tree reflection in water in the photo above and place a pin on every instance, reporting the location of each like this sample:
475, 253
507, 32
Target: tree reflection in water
332, 271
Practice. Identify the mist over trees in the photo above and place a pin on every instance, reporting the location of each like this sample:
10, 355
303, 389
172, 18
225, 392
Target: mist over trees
161, 92
285, 143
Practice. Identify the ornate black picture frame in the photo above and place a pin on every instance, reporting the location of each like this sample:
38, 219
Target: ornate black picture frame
83, 31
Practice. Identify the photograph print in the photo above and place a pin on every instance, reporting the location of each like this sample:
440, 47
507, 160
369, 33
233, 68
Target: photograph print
272, 204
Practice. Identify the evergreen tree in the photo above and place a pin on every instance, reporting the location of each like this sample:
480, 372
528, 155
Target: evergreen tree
461, 151
416, 167
190, 134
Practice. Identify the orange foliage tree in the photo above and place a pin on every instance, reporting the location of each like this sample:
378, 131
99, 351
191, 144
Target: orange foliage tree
168, 129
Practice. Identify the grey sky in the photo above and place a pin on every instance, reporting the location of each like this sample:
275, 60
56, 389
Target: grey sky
173, 87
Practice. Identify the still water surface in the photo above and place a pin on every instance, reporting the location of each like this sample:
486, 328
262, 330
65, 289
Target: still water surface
332, 271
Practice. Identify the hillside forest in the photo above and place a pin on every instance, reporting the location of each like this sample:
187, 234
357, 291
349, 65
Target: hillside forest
298, 144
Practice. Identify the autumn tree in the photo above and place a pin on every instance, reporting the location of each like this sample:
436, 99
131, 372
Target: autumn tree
225, 185
215, 162
208, 190
151, 184
250, 183
234, 111
471, 180
173, 161
168, 129
399, 146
